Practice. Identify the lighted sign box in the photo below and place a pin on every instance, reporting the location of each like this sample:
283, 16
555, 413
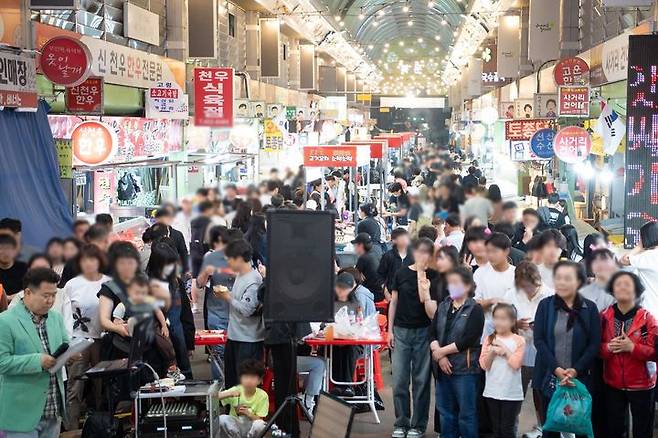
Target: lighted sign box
641, 198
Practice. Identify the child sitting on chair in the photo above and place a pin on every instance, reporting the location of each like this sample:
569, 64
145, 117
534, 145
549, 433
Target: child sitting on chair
138, 293
249, 404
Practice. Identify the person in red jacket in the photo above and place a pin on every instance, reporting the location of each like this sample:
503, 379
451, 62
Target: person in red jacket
627, 347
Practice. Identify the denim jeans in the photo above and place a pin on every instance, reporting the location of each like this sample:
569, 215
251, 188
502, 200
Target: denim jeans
46, 428
314, 366
456, 396
411, 363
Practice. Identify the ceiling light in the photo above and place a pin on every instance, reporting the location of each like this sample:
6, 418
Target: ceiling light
420, 40
341, 24
386, 45
430, 4
401, 43
410, 23
381, 12
444, 22
438, 37
436, 49
375, 23
337, 17
405, 8
385, 50
361, 15
370, 46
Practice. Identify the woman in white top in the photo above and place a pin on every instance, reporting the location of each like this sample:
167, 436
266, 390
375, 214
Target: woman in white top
81, 292
501, 358
644, 258
526, 294
62, 303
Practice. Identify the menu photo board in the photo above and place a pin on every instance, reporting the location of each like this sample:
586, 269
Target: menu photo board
641, 194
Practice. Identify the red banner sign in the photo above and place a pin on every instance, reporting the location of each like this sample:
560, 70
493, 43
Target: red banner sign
65, 61
570, 72
213, 97
394, 141
572, 144
330, 156
524, 129
93, 143
376, 147
573, 102
85, 98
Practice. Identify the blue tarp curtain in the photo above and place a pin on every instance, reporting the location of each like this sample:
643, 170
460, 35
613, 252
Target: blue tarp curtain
29, 177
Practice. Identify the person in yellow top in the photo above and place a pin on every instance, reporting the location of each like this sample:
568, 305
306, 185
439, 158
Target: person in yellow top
249, 404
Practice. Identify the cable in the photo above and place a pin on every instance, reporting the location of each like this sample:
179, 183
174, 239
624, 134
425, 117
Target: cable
164, 412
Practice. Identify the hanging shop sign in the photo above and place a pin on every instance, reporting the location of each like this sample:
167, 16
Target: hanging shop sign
520, 151
18, 81
524, 129
573, 102
137, 137
543, 31
291, 112
273, 135
86, 98
213, 97
509, 46
523, 109
93, 143
571, 72
541, 143
363, 97
377, 147
330, 156
545, 105
64, 152
118, 64
641, 199
572, 144
166, 101
65, 61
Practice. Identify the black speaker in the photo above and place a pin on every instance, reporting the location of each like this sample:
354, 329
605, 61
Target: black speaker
300, 272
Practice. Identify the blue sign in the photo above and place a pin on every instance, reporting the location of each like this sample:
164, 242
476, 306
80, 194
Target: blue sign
541, 143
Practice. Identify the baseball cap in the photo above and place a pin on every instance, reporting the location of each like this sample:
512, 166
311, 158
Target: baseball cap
362, 238
345, 280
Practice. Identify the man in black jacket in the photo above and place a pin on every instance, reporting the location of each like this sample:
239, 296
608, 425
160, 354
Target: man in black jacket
367, 264
394, 259
166, 217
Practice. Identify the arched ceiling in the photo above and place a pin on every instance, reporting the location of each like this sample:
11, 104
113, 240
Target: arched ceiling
404, 38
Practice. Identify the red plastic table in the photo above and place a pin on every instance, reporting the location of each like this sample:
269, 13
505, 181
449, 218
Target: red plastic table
369, 378
212, 338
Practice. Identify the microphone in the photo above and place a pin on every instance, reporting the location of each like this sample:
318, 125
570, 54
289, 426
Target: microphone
60, 350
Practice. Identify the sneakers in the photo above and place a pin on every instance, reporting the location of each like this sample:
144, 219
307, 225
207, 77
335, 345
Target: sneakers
175, 374
309, 404
414, 433
399, 432
536, 432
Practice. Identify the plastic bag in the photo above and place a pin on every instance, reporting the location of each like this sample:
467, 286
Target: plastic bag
344, 328
570, 410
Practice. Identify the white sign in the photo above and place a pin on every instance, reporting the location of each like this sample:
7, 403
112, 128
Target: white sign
125, 66
614, 58
412, 102
544, 31
166, 101
141, 24
509, 46
474, 78
18, 76
626, 3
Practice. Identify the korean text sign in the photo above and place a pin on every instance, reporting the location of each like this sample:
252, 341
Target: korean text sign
65, 61
573, 102
571, 72
18, 86
85, 98
213, 97
572, 144
330, 156
523, 129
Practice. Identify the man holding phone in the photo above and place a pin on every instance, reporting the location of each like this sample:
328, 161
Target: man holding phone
525, 296
31, 399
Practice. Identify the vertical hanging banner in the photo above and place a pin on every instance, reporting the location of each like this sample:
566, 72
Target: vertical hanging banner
341, 79
202, 28
509, 46
64, 153
474, 78
327, 79
544, 31
270, 36
213, 97
573, 102
307, 67
641, 203
86, 98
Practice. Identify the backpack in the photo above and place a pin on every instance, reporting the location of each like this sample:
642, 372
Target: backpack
101, 425
127, 187
198, 245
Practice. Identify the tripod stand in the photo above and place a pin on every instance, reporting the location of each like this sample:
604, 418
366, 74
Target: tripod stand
291, 402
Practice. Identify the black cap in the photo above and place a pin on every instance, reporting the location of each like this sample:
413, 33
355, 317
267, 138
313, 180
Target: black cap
362, 238
345, 280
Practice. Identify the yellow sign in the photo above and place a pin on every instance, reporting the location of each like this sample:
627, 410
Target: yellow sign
384, 110
364, 97
273, 135
64, 158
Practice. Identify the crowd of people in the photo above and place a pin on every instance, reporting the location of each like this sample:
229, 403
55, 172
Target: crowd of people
488, 300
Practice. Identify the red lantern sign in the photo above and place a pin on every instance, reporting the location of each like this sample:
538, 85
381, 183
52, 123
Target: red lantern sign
65, 61
572, 144
93, 143
571, 72
330, 156
213, 97
85, 98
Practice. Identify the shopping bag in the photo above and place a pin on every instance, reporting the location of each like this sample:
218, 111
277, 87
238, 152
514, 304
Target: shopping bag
570, 410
